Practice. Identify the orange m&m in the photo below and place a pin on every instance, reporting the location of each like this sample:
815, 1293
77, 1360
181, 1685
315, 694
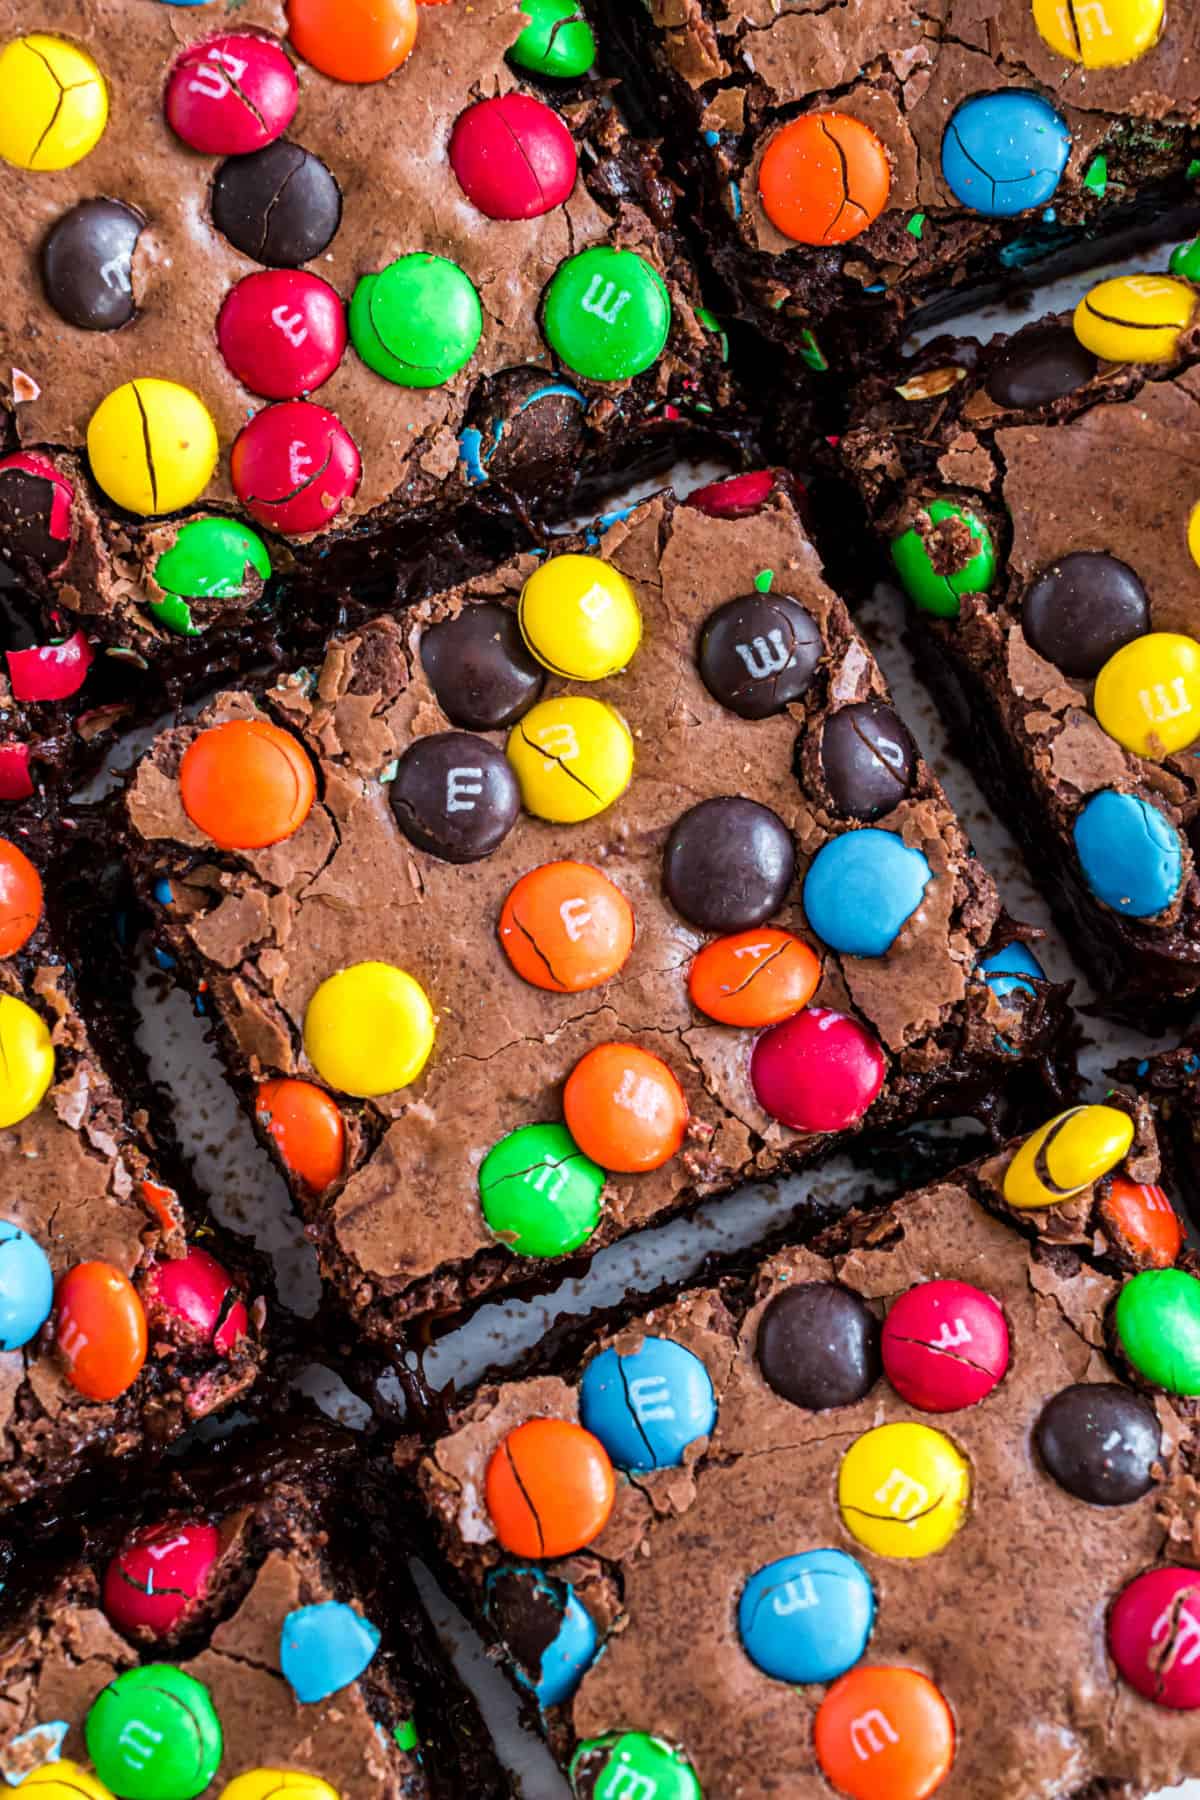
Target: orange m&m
754, 978
565, 927
353, 40
624, 1108
824, 178
99, 1330
20, 898
246, 783
1143, 1220
549, 1488
884, 1734
307, 1127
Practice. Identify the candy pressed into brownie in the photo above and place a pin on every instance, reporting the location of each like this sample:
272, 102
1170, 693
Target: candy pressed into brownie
596, 885
785, 1533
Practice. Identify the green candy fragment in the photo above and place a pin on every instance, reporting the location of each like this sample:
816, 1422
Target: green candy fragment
624, 1763
418, 321
940, 594
405, 1734
207, 561
1158, 1324
916, 225
539, 1193
1096, 176
557, 41
607, 314
811, 352
1185, 260
153, 1734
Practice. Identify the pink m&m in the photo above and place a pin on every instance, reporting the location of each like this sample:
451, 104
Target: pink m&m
198, 1299
1154, 1636
50, 671
282, 332
513, 157
231, 94
945, 1345
294, 466
158, 1575
817, 1071
736, 497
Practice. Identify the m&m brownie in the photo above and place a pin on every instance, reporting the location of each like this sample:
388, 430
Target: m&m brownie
593, 886
786, 1534
1037, 498
124, 1316
247, 1629
855, 164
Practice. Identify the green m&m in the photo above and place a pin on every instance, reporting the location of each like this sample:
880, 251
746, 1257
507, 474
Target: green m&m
211, 559
539, 1192
607, 314
1158, 1327
418, 321
557, 41
153, 1734
1185, 260
622, 1763
925, 586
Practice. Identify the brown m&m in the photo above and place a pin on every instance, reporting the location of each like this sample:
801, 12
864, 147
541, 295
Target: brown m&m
280, 205
759, 653
87, 264
455, 795
1082, 609
728, 864
480, 669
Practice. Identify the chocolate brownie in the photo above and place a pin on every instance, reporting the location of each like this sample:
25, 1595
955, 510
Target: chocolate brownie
856, 166
124, 1315
253, 1615
1037, 506
713, 882
794, 1524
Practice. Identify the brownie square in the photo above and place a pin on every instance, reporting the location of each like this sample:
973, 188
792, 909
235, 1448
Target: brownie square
786, 1524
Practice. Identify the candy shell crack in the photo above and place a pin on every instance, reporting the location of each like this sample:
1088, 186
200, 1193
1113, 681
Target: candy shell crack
524, 1492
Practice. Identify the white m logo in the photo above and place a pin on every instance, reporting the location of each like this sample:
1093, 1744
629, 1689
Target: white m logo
604, 299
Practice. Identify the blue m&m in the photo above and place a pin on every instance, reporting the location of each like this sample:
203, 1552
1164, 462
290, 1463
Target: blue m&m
1130, 854
1003, 153
550, 1633
647, 1405
325, 1647
861, 888
26, 1286
807, 1617
1009, 971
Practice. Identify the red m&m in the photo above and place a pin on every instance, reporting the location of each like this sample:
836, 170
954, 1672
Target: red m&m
231, 94
945, 1345
1154, 1636
199, 1301
50, 671
282, 332
246, 783
817, 1071
99, 1330
513, 157
22, 502
20, 898
158, 1575
737, 497
294, 466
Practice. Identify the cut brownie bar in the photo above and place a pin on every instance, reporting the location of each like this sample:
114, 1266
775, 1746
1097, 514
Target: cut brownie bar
796, 1523
1038, 507
721, 831
124, 1316
249, 1627
854, 165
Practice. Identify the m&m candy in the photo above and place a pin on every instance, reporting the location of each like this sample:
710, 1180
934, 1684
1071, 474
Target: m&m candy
945, 1345
818, 1345
481, 672
549, 1488
50, 671
20, 898
306, 1126
210, 559
369, 1029
1067, 1154
1100, 37
903, 1489
1100, 1442
1142, 1220
632, 1762
153, 1734
417, 322
26, 1060
807, 1618
1011, 971
759, 653
53, 102
952, 557
1154, 1636
824, 178
754, 978
324, 1647
862, 888
1003, 153
282, 332
281, 206
1135, 318
648, 1406
566, 927
817, 1071
232, 94
539, 1193
152, 446
607, 314
1147, 696
62, 1779
36, 500
557, 41
513, 157
26, 1286
548, 1631
353, 40
158, 1575
265, 1784
99, 1330
624, 1108
572, 756
884, 1734
246, 783
87, 264
735, 496
1158, 1328
728, 863
1083, 608
294, 466
455, 795
580, 617
1130, 854
195, 1295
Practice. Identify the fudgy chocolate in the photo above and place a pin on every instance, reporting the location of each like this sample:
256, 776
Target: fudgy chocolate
402, 1232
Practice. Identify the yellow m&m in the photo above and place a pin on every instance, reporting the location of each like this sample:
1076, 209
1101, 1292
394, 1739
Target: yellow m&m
1193, 532
1147, 695
1135, 318
1067, 1154
53, 103
580, 617
903, 1490
1101, 34
152, 446
572, 757
369, 1029
65, 1780
26, 1060
264, 1784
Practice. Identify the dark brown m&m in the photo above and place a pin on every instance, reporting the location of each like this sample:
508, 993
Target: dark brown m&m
818, 1345
1082, 609
728, 864
1040, 366
1101, 1442
758, 653
479, 668
87, 264
868, 759
280, 206
35, 514
455, 795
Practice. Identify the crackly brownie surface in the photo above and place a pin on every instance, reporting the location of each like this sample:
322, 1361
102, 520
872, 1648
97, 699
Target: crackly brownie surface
146, 1331
877, 155
242, 1592
906, 1025
781, 1529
